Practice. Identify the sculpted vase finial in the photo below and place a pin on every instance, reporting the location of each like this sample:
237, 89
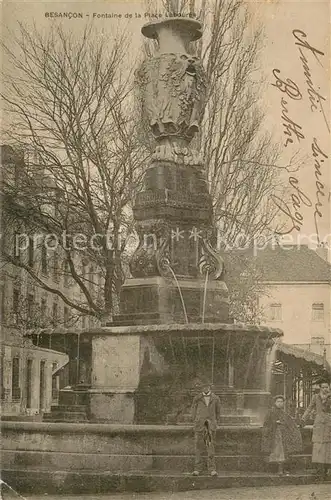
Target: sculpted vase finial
172, 85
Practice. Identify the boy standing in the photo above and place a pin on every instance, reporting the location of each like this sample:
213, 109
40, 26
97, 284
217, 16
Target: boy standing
206, 409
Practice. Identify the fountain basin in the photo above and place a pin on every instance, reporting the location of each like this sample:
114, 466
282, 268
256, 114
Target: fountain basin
148, 374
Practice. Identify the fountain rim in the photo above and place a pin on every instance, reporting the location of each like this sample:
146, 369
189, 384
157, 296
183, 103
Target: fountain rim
192, 26
202, 329
113, 428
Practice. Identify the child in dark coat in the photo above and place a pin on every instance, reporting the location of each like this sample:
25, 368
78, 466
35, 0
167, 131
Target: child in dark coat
281, 436
205, 415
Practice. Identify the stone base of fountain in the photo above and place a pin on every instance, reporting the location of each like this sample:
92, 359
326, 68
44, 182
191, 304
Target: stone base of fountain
90, 458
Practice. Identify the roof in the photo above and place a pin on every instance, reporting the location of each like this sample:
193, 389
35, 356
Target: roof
298, 353
289, 263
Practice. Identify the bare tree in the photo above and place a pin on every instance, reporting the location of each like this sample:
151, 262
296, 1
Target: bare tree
245, 281
240, 157
68, 102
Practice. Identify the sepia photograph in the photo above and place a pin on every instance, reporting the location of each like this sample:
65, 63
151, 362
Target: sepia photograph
165, 261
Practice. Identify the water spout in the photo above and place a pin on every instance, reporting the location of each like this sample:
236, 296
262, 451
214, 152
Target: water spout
184, 309
204, 298
180, 292
172, 349
250, 361
227, 358
271, 358
213, 361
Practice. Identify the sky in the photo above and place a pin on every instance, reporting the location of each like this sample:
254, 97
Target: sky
295, 64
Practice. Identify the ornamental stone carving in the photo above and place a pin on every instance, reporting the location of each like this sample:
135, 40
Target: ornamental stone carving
172, 86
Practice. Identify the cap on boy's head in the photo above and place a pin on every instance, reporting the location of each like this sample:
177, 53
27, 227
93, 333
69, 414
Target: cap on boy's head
204, 382
280, 396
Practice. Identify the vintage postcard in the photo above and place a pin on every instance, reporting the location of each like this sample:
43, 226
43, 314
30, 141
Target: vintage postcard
165, 249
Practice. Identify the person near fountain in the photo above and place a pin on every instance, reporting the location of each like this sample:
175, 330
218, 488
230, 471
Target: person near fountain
206, 409
281, 436
321, 405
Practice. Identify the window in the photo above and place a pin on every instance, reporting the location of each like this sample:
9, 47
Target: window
318, 340
28, 383
16, 247
3, 303
56, 266
15, 380
65, 316
66, 273
43, 309
30, 303
17, 173
91, 277
16, 299
42, 385
318, 312
31, 252
55, 313
83, 270
276, 312
55, 392
2, 394
31, 157
44, 262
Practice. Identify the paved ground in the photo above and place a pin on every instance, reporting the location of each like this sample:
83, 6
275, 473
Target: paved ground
311, 492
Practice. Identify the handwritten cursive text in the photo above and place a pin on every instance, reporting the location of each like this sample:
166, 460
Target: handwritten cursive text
319, 157
298, 198
316, 99
291, 129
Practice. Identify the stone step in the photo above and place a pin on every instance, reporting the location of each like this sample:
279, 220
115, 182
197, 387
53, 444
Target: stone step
65, 413
65, 417
41, 481
68, 408
127, 463
59, 420
21, 418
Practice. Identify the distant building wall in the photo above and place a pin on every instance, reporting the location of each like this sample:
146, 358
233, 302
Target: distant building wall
301, 310
26, 378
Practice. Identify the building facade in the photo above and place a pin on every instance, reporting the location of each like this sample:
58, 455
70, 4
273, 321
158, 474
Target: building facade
26, 368
297, 296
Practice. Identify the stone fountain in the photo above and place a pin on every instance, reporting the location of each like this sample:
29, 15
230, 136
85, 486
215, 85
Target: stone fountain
174, 324
131, 382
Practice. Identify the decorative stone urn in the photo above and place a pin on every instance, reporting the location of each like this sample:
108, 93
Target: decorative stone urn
171, 84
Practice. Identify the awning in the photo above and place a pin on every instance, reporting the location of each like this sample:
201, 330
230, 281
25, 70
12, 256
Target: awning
297, 352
